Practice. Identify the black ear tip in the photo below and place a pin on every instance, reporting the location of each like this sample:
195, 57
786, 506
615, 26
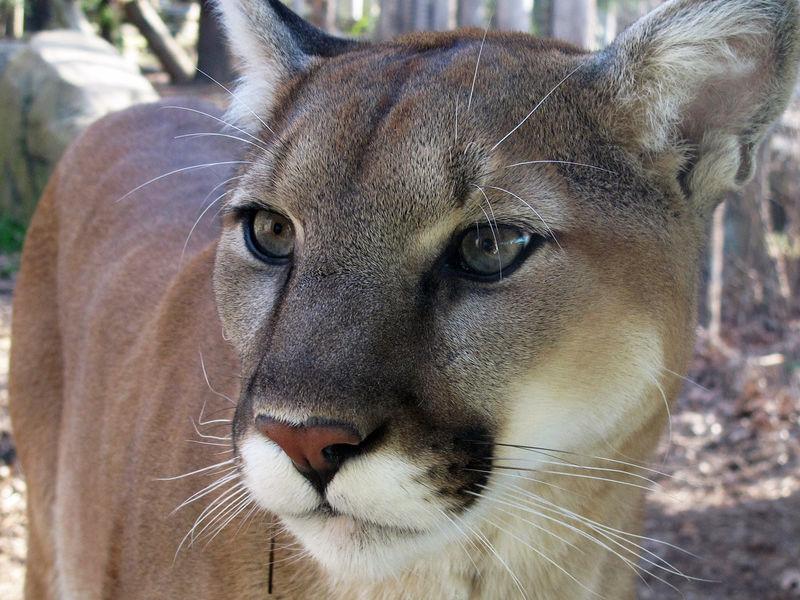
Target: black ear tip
311, 40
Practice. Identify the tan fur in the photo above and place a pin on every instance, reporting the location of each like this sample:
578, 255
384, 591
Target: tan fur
125, 347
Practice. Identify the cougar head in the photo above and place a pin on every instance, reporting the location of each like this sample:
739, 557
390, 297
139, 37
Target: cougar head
450, 248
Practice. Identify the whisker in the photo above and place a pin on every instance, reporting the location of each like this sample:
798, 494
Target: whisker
669, 417
222, 498
183, 170
532, 479
201, 493
526, 508
541, 554
543, 450
477, 65
460, 541
578, 475
599, 528
575, 466
686, 379
218, 120
213, 134
209, 437
208, 382
241, 507
203, 470
535, 212
493, 550
252, 112
219, 506
535, 108
197, 222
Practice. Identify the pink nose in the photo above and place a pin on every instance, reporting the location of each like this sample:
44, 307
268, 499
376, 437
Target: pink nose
316, 450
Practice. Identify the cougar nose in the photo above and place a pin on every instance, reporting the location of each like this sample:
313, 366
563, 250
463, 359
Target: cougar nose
317, 450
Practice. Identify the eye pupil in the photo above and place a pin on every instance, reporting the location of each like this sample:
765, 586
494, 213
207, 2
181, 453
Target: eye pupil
489, 246
270, 236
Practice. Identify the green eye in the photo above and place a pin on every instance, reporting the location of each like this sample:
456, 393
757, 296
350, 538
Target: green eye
270, 235
486, 251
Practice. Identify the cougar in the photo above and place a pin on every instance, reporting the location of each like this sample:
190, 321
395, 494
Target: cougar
408, 326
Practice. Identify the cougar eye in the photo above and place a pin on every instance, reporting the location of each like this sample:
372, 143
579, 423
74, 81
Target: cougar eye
269, 235
486, 251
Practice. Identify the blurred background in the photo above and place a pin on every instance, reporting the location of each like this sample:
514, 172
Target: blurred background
733, 497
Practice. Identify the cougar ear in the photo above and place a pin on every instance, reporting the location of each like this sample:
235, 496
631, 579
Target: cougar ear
705, 78
272, 44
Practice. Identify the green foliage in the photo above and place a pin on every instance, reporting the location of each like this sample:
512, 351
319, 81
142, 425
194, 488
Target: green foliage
363, 26
12, 234
106, 16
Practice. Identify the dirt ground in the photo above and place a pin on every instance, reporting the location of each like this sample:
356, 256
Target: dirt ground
733, 497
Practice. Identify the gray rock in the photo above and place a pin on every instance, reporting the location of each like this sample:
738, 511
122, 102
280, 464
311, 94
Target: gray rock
50, 91
8, 48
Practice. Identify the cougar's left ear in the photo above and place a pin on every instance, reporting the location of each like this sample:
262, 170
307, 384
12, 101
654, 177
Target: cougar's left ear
707, 78
272, 44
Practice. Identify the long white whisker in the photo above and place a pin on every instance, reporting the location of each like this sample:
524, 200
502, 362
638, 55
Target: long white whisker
240, 507
477, 65
203, 470
222, 135
218, 120
222, 481
492, 549
686, 379
575, 466
594, 477
542, 555
183, 170
252, 112
545, 451
535, 212
197, 222
494, 234
208, 382
535, 108
669, 417
460, 542
534, 500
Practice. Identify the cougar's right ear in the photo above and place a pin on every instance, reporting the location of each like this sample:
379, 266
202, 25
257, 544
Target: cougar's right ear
272, 44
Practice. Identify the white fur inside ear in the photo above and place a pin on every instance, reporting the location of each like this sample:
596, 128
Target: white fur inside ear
680, 48
266, 53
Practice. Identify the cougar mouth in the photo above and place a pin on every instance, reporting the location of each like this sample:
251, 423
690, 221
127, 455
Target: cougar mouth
393, 502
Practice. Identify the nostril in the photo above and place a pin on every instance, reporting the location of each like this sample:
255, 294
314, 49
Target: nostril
317, 448
336, 454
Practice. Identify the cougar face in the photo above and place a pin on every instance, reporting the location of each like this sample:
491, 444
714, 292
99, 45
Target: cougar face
447, 251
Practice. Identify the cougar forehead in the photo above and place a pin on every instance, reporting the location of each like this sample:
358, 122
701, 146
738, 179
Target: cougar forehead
408, 131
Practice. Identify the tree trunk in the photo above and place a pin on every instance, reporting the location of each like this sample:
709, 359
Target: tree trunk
317, 16
421, 14
472, 13
444, 15
511, 15
714, 300
58, 14
575, 21
172, 57
396, 17
212, 52
543, 18
17, 28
